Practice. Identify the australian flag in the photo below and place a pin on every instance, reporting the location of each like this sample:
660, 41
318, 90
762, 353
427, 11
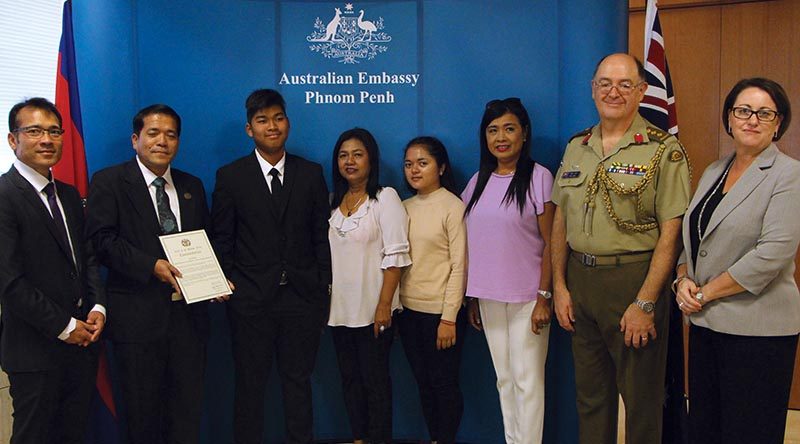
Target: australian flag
658, 104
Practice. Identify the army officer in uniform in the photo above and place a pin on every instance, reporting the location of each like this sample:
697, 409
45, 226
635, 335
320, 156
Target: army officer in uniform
621, 191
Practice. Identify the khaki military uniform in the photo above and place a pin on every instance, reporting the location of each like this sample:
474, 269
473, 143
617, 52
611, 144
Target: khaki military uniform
613, 206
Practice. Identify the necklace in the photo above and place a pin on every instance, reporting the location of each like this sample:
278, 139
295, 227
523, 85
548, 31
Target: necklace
705, 202
351, 209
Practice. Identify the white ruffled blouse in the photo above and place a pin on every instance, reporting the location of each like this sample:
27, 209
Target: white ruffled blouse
362, 246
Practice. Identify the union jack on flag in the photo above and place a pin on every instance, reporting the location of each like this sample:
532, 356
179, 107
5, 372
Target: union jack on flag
658, 104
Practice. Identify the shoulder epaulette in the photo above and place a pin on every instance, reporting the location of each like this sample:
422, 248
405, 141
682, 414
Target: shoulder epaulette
585, 134
676, 155
657, 133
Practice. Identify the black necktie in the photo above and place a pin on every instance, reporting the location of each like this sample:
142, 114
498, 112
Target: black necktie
275, 182
50, 190
166, 218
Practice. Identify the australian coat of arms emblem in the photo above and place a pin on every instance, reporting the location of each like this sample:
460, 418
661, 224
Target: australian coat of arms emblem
348, 37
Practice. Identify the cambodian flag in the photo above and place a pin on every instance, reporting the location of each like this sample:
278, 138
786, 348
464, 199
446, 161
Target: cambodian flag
72, 170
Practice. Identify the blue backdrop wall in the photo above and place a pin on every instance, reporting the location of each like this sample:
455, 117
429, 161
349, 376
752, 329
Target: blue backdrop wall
203, 57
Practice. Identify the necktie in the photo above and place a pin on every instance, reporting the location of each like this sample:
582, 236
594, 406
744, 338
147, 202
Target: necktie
50, 190
277, 187
166, 218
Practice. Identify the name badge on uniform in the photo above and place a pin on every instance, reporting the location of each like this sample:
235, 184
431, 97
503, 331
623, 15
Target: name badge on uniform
627, 168
570, 174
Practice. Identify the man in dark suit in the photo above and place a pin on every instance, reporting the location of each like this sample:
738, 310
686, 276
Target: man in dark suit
159, 340
48, 283
270, 218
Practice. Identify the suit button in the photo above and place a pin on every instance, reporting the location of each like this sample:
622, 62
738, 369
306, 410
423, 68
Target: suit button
703, 253
73, 275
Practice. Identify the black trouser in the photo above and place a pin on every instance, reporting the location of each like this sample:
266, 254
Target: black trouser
162, 383
52, 406
293, 339
436, 371
738, 387
366, 383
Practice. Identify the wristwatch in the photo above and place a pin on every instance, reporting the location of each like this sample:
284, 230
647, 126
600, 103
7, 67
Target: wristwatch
646, 306
545, 294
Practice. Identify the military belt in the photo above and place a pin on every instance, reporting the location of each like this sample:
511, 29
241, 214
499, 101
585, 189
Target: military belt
591, 260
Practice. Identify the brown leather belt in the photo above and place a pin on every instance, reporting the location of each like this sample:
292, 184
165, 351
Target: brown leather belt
591, 260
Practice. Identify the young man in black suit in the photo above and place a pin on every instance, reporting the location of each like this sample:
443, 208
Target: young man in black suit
270, 217
50, 291
159, 340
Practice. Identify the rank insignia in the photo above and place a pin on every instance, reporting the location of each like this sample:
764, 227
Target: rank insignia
638, 138
676, 156
585, 140
570, 174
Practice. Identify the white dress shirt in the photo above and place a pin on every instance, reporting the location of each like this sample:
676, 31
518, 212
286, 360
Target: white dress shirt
169, 188
266, 167
39, 182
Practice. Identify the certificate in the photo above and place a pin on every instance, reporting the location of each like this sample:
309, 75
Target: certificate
191, 253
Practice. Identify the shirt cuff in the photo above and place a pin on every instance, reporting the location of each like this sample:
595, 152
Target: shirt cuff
100, 309
397, 259
69, 328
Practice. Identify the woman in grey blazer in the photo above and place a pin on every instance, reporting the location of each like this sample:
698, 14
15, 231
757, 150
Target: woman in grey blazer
736, 276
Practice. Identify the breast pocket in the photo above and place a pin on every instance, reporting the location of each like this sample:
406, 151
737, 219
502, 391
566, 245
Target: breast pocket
571, 185
632, 199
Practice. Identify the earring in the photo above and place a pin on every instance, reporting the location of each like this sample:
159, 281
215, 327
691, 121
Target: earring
775, 136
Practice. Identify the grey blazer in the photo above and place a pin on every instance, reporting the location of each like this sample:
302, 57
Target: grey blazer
753, 235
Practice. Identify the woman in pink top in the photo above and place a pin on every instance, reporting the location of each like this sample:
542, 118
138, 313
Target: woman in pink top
509, 217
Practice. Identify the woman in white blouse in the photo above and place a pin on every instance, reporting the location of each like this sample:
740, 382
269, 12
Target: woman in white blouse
369, 246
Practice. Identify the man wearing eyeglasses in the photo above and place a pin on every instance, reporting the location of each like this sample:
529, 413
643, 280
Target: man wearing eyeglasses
621, 191
51, 298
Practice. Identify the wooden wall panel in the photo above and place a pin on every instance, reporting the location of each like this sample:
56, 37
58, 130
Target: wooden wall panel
761, 39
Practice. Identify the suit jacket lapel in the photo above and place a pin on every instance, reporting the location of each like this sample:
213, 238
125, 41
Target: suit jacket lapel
289, 177
185, 202
32, 197
139, 195
257, 184
71, 215
755, 173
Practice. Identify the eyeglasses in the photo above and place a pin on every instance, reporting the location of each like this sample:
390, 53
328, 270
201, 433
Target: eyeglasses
507, 101
624, 87
36, 132
763, 114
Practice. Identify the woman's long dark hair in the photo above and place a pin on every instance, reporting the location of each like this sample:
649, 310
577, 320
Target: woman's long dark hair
436, 149
340, 185
519, 187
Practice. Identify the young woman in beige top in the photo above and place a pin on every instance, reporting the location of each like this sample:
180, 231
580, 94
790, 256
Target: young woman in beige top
432, 289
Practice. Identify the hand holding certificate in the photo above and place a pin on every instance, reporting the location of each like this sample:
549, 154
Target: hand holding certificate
191, 253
